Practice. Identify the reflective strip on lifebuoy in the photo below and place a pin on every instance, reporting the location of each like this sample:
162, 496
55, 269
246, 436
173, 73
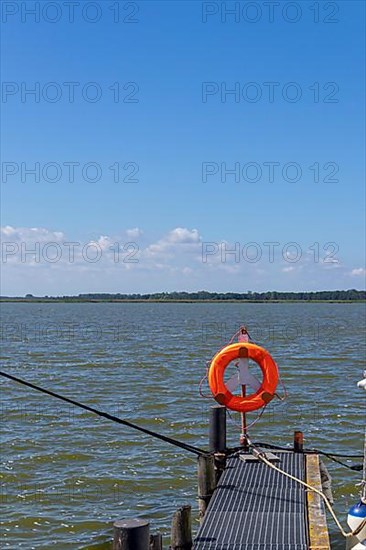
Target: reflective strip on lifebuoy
216, 377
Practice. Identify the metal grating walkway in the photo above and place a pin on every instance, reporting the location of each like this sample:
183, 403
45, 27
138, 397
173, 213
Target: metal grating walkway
257, 508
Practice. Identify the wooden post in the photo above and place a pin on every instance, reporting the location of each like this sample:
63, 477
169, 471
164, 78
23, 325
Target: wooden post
326, 481
131, 534
181, 535
298, 442
217, 438
156, 542
206, 482
217, 429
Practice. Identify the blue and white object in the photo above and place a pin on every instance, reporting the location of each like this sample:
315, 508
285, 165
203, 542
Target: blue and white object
357, 514
362, 383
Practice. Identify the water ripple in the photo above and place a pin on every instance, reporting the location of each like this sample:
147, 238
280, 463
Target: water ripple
66, 474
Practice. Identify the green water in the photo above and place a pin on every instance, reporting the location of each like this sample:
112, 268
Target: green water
66, 474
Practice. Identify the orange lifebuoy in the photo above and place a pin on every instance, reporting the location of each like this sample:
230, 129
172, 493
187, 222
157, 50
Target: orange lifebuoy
258, 399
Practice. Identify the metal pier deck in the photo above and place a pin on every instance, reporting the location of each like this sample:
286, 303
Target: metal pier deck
257, 508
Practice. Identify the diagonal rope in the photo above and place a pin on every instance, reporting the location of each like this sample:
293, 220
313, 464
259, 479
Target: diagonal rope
108, 416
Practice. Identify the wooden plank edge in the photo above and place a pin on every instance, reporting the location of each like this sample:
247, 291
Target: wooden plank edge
317, 521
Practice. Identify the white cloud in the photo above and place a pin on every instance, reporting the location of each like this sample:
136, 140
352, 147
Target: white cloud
179, 260
183, 235
177, 241
104, 242
8, 231
30, 234
359, 272
134, 233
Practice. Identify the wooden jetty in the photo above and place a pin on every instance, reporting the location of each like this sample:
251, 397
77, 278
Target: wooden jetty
255, 507
245, 504
252, 497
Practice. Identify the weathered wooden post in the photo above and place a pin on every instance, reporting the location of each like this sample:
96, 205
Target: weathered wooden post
217, 429
181, 534
206, 482
156, 542
131, 534
298, 442
217, 437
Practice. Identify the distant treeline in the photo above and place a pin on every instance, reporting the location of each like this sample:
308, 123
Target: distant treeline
272, 296
219, 296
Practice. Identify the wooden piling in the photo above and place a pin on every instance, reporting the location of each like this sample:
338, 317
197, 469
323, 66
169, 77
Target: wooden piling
131, 534
156, 542
217, 438
181, 534
326, 481
206, 482
298, 442
217, 429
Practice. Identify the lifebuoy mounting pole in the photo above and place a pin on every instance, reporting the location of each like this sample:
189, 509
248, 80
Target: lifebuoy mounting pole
243, 367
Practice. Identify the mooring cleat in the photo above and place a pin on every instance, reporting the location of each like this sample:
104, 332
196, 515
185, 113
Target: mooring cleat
248, 457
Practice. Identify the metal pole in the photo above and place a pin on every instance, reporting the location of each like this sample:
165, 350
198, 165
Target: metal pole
243, 435
244, 363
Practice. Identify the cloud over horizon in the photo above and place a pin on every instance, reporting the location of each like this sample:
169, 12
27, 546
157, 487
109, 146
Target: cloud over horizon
47, 262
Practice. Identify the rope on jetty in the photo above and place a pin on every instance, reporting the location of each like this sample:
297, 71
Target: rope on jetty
262, 457
331, 456
111, 417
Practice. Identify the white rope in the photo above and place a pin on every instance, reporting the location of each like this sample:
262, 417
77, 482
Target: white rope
260, 455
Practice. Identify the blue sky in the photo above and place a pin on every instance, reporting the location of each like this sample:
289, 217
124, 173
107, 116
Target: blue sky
175, 130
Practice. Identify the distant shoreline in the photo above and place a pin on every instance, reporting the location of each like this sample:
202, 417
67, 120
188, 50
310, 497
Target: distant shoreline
201, 297
76, 301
